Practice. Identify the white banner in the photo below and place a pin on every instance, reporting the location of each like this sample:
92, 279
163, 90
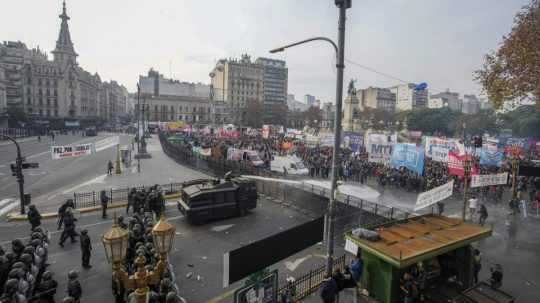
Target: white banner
434, 195
439, 154
487, 180
72, 151
448, 144
379, 148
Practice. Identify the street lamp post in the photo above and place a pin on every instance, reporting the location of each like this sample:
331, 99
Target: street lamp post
138, 127
115, 242
343, 5
466, 173
18, 172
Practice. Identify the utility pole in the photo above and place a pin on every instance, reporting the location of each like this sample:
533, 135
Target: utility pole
343, 5
466, 174
17, 170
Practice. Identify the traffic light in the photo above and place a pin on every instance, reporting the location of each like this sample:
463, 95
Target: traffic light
30, 165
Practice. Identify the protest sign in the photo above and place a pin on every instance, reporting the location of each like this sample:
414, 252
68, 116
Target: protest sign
72, 151
487, 180
379, 148
434, 195
409, 156
491, 157
441, 146
353, 140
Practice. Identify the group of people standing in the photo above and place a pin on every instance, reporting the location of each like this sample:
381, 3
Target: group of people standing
24, 273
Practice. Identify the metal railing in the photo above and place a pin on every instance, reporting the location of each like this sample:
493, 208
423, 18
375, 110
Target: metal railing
119, 195
14, 132
310, 282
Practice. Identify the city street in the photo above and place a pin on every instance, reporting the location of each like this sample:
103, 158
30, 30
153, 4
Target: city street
54, 178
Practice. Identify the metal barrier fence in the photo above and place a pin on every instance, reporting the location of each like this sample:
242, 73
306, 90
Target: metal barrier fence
14, 132
92, 199
218, 167
309, 283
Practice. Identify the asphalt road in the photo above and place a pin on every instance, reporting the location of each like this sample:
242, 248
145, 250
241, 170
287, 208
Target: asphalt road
197, 250
53, 177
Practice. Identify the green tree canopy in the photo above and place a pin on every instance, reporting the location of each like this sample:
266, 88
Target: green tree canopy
513, 71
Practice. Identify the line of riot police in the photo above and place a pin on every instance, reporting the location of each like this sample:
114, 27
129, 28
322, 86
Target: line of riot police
151, 200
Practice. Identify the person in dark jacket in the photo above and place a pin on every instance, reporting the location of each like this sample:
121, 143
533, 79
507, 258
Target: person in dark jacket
131, 200
46, 290
340, 281
86, 248
34, 217
74, 288
328, 290
104, 201
62, 211
69, 228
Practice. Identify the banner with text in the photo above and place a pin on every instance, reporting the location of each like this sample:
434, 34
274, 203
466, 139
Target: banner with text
438, 148
72, 151
491, 157
379, 148
409, 156
434, 195
353, 140
455, 164
488, 180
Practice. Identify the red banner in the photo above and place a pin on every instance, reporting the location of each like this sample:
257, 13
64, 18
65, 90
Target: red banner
455, 164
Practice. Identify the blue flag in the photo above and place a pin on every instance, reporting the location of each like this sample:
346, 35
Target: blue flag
409, 156
491, 157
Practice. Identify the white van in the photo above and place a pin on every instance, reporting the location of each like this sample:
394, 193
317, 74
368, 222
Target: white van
292, 164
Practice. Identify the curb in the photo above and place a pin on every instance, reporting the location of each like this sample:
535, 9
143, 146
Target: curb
17, 217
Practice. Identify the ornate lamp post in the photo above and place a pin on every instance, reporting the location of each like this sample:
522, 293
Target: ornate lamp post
466, 174
115, 242
514, 151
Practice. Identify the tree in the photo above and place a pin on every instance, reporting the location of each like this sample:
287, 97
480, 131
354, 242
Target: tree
254, 112
429, 120
513, 71
523, 121
313, 116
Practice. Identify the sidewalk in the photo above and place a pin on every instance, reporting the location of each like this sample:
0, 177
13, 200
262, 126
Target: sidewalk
345, 296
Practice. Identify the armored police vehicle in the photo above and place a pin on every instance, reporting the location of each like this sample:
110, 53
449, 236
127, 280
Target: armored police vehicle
204, 200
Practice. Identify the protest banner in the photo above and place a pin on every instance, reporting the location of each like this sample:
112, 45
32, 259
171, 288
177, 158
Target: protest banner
455, 164
353, 140
409, 156
72, 151
490, 157
379, 148
327, 139
488, 180
434, 195
441, 146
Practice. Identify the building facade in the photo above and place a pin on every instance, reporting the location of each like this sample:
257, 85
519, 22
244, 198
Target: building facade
408, 97
328, 115
375, 97
57, 90
310, 100
237, 82
437, 102
275, 82
449, 99
171, 100
471, 105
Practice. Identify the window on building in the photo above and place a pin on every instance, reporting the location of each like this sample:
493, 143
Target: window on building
40, 100
48, 83
39, 82
56, 113
194, 109
48, 101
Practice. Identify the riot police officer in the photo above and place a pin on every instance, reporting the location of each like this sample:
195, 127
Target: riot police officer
86, 248
34, 217
46, 290
11, 294
69, 228
74, 286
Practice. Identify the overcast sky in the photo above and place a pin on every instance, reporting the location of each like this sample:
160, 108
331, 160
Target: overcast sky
440, 42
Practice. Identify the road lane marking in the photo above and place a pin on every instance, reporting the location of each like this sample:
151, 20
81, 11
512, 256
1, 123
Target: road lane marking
97, 180
5, 202
37, 155
4, 210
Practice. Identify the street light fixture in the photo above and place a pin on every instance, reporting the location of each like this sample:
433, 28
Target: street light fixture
115, 242
343, 5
